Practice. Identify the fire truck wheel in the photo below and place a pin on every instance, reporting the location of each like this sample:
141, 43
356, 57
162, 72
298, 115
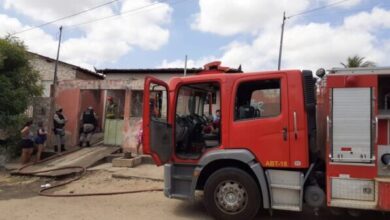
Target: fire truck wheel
314, 196
231, 193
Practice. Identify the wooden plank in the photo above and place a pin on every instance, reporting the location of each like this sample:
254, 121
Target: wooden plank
84, 157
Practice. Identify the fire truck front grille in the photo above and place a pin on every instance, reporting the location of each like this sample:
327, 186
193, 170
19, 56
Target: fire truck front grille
309, 89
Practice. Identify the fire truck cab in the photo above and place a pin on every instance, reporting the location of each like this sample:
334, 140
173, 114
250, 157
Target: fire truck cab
260, 140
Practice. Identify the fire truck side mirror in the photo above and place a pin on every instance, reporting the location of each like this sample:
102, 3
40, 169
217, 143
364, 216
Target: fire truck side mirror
320, 72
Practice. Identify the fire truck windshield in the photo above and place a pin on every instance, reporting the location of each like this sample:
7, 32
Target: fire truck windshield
197, 119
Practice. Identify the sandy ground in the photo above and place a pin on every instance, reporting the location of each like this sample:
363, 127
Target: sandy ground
19, 201
101, 181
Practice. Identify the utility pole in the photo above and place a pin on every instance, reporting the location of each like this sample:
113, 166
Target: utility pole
54, 87
185, 65
58, 55
281, 41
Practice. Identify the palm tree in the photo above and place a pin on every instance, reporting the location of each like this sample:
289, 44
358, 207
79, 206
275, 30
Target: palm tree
357, 61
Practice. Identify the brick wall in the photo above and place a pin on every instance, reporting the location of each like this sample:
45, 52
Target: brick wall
45, 67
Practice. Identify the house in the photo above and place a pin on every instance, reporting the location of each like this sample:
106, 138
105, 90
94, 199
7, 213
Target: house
123, 129
136, 77
80, 88
66, 71
40, 108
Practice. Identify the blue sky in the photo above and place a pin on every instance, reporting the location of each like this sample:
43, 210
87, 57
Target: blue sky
236, 32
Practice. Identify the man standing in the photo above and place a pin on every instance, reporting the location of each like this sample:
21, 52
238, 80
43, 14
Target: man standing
59, 121
88, 126
111, 109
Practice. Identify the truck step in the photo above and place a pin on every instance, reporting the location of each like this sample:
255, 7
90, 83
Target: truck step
286, 207
281, 186
179, 196
182, 177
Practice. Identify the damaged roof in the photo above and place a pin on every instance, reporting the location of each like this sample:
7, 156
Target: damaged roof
146, 71
48, 59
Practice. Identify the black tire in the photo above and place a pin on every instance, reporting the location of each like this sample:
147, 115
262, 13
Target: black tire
314, 196
237, 186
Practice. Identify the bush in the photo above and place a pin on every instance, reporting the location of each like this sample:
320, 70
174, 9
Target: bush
18, 85
9, 145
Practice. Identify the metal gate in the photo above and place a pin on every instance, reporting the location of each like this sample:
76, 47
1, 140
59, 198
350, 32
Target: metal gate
351, 127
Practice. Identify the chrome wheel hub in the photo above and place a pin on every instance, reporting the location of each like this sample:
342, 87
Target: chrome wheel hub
231, 197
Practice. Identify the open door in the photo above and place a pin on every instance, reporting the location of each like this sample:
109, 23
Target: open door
157, 132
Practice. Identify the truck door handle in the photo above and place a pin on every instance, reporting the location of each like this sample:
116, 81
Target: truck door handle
295, 126
376, 129
285, 134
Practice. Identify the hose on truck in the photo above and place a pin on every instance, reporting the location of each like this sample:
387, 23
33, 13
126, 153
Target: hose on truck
78, 170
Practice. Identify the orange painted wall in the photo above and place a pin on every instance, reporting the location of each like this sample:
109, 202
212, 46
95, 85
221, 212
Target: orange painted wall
92, 98
69, 101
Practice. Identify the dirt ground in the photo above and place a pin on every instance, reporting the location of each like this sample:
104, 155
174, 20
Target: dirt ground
19, 200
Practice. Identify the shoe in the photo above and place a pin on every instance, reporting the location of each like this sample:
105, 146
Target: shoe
55, 148
63, 148
88, 145
81, 144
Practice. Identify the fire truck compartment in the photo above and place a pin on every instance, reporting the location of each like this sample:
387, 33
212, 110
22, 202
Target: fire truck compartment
352, 125
353, 189
383, 127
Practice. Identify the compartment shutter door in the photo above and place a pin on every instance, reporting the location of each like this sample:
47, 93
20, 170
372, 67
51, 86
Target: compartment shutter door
351, 130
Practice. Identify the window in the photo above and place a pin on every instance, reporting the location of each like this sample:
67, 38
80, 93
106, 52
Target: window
197, 121
158, 103
136, 103
258, 99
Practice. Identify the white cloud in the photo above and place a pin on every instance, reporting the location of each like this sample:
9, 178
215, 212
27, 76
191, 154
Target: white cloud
47, 10
36, 40
377, 18
191, 63
321, 45
313, 45
228, 17
101, 42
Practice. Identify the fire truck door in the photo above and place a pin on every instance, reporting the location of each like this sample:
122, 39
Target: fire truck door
265, 132
157, 132
351, 130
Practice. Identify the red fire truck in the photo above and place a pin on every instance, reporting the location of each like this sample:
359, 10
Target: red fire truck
274, 140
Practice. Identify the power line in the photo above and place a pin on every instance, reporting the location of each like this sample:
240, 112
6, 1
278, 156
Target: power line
115, 15
65, 17
132, 11
298, 14
316, 9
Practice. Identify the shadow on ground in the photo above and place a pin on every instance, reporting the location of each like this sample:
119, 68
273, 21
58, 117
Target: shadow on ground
196, 209
19, 187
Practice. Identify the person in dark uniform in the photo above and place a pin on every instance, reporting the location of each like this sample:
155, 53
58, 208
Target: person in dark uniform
59, 122
88, 126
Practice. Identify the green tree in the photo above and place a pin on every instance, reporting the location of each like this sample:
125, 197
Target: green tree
18, 85
357, 61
